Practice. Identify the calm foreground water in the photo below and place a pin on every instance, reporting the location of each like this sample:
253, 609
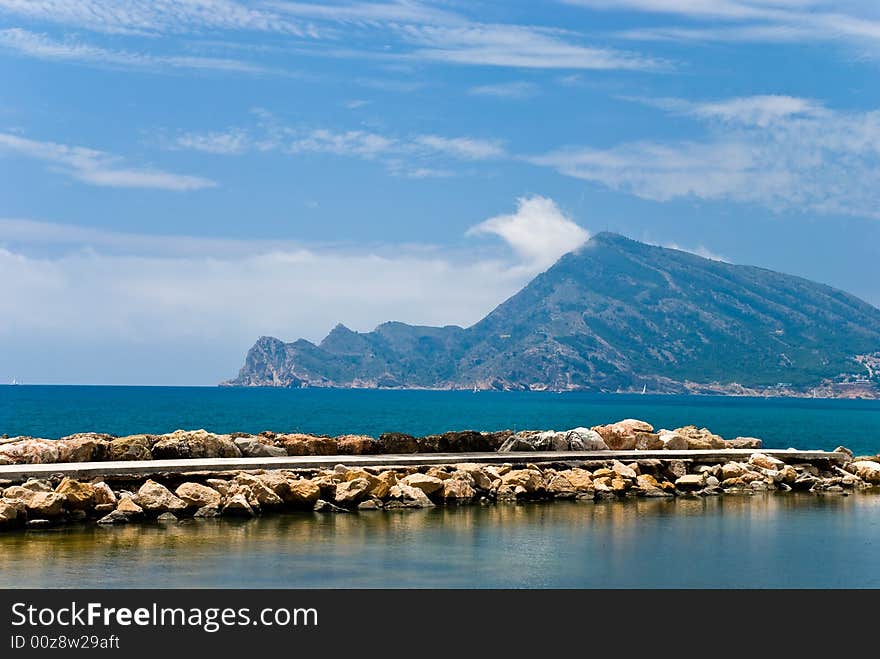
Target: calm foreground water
49, 411
763, 541
734, 541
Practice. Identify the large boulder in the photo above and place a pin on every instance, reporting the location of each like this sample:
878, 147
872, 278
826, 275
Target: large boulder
258, 447
350, 493
383, 484
398, 442
466, 441
356, 445
131, 447
402, 495
672, 441
427, 484
84, 447
237, 506
622, 435
867, 470
478, 475
530, 480
457, 490
765, 461
30, 450
303, 494
649, 441
186, 444
744, 442
45, 504
690, 482
263, 494
701, 438
197, 495
156, 498
585, 439
103, 494
301, 444
10, 512
80, 496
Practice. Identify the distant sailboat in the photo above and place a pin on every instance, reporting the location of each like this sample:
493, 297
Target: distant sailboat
644, 388
475, 389
14, 381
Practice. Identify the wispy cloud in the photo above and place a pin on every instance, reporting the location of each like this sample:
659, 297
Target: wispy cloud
461, 147
784, 155
98, 167
41, 46
539, 232
759, 110
517, 89
155, 17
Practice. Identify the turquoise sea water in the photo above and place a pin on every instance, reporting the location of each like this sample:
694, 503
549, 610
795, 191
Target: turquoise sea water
51, 411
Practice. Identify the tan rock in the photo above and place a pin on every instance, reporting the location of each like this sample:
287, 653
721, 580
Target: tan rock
691, 482
264, 495
672, 441
384, 482
277, 482
621, 436
127, 506
623, 471
237, 506
154, 497
603, 472
458, 490
356, 445
197, 495
301, 444
765, 461
867, 470
439, 472
646, 481
83, 447
30, 450
80, 496
581, 479
427, 484
733, 470
352, 492
9, 512
406, 496
701, 438
131, 447
45, 504
647, 441
619, 485
186, 444
559, 486
304, 493
481, 479
104, 495
530, 480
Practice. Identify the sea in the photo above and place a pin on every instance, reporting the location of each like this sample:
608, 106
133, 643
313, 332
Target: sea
735, 541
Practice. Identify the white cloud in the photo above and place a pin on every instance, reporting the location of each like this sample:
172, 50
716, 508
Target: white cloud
824, 162
133, 297
233, 141
348, 143
98, 167
461, 147
759, 110
539, 232
41, 46
517, 46
518, 89
153, 17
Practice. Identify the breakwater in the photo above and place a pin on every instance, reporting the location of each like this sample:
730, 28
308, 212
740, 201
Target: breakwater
195, 474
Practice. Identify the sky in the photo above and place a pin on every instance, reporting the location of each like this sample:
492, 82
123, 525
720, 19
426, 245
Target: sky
180, 178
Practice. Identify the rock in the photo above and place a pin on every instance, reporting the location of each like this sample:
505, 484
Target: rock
264, 495
300, 444
185, 444
690, 482
521, 441
585, 439
83, 447
530, 480
765, 461
30, 450
867, 470
712, 481
560, 487
104, 508
167, 517
352, 492
469, 441
322, 506
733, 470
251, 447
623, 471
132, 447
788, 475
672, 441
238, 506
621, 436
480, 479
457, 490
207, 512
45, 504
581, 480
647, 441
198, 496
115, 517
427, 484
104, 495
356, 445
700, 438
278, 483
80, 496
440, 472
744, 442
156, 498
805, 482
397, 442
219, 484
619, 485
843, 449
676, 469
9, 512
127, 506
384, 482
402, 495
370, 504
38, 485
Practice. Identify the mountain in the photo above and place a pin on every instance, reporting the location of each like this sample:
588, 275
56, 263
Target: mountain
615, 315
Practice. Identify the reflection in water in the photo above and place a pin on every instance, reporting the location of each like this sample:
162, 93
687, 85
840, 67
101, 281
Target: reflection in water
730, 541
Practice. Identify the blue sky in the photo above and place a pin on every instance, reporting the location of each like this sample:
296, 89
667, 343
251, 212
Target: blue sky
179, 178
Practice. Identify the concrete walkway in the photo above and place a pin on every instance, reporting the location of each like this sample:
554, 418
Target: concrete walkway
88, 470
